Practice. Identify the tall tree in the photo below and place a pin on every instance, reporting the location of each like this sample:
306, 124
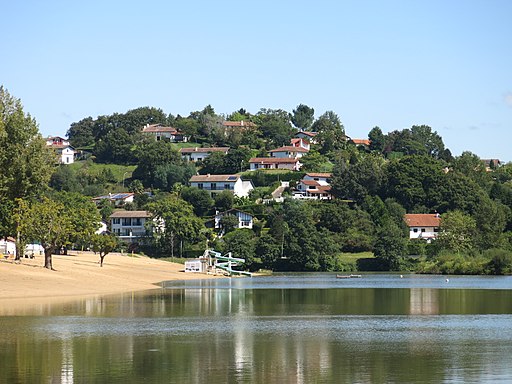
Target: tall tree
303, 117
331, 132
275, 125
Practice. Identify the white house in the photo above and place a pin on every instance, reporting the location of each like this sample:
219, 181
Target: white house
291, 164
288, 151
159, 132
117, 198
215, 184
64, 150
8, 247
301, 143
129, 226
423, 225
314, 186
198, 154
245, 220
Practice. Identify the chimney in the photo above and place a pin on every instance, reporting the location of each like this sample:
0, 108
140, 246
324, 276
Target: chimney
195, 149
242, 123
208, 175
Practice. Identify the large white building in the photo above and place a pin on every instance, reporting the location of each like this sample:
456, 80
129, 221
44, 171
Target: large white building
65, 152
198, 154
129, 226
423, 225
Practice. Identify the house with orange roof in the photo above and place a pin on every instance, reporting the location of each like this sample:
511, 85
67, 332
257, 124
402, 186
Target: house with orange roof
310, 136
314, 186
299, 142
160, 132
423, 225
292, 164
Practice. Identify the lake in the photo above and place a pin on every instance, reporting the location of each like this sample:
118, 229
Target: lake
290, 328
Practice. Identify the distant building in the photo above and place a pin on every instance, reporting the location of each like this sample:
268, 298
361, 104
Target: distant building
289, 151
423, 225
159, 132
245, 220
130, 226
314, 186
215, 184
117, 198
491, 164
65, 152
310, 136
291, 164
199, 154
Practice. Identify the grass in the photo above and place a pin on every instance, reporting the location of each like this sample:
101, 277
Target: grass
120, 172
353, 257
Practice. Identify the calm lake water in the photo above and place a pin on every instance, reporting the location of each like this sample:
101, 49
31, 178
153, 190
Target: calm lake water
303, 328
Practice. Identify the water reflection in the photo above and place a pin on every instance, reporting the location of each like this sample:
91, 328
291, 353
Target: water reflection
247, 331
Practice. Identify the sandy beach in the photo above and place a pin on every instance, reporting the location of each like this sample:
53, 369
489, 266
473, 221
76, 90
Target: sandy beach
79, 275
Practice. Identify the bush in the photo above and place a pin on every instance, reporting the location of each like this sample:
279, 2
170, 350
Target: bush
500, 261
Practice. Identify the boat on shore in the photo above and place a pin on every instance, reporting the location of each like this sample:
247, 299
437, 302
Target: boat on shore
348, 276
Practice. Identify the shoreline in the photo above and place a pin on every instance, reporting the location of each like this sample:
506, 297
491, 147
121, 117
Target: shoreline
78, 275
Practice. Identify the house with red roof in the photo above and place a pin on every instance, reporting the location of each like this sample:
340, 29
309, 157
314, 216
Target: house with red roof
214, 184
288, 151
314, 186
310, 136
292, 164
423, 225
160, 132
299, 142
61, 146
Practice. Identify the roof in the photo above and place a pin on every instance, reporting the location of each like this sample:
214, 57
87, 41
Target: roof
130, 214
273, 160
158, 128
232, 210
204, 150
60, 146
238, 124
319, 174
422, 219
361, 141
214, 178
298, 140
289, 148
115, 196
310, 134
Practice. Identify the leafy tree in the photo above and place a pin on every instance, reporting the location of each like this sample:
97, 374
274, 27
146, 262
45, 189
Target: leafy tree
152, 155
228, 223
377, 140
115, 147
471, 166
136, 187
179, 223
268, 250
241, 243
199, 198
224, 200
213, 164
390, 246
26, 161
81, 134
303, 117
457, 231
314, 161
331, 133
103, 244
46, 221
237, 160
275, 126
167, 175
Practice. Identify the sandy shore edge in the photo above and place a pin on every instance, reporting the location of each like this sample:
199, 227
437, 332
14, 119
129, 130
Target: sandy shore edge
79, 275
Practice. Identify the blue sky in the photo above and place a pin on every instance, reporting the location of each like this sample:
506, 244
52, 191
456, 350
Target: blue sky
392, 64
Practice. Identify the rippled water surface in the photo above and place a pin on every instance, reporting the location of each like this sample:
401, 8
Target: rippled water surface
301, 328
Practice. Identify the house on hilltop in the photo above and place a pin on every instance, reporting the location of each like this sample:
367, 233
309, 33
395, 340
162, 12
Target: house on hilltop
64, 150
314, 186
159, 132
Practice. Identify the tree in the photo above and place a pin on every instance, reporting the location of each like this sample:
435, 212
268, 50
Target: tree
25, 160
81, 134
331, 133
302, 117
241, 244
275, 126
199, 198
179, 223
390, 246
103, 244
377, 140
456, 232
45, 221
224, 200
228, 223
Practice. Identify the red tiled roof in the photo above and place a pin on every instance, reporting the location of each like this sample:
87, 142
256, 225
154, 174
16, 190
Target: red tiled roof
158, 128
319, 174
422, 219
310, 134
361, 141
289, 148
121, 214
204, 150
273, 160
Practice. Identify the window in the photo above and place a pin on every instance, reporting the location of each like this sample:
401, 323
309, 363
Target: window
137, 222
244, 223
127, 222
200, 185
422, 229
415, 230
117, 220
227, 186
436, 229
214, 186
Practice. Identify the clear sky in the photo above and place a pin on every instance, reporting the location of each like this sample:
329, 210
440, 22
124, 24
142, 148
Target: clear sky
392, 64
